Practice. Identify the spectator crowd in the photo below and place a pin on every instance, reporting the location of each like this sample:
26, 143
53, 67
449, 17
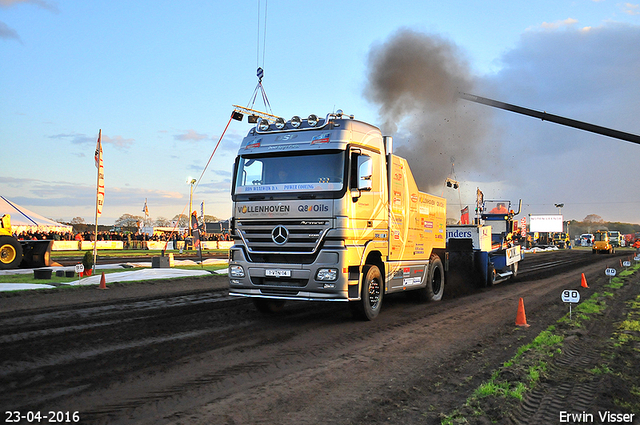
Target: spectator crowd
126, 237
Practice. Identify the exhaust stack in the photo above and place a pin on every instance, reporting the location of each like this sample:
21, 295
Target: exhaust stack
388, 143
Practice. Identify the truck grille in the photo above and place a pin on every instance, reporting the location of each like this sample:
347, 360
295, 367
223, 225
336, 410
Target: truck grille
282, 236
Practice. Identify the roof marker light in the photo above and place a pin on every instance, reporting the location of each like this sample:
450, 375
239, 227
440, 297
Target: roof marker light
312, 120
296, 122
280, 123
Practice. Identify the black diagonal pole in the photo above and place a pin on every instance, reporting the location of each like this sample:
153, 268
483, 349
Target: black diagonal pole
627, 137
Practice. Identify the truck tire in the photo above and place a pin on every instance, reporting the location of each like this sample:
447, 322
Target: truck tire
435, 279
491, 275
268, 306
10, 252
371, 294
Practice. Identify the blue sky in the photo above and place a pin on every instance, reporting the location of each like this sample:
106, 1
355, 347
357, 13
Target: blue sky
160, 78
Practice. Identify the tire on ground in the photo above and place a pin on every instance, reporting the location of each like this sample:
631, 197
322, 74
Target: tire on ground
371, 294
435, 279
10, 252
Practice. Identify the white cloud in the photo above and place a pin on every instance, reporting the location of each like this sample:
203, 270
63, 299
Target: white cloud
51, 6
559, 24
191, 135
118, 141
631, 9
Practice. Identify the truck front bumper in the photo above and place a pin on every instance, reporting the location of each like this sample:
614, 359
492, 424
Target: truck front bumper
293, 281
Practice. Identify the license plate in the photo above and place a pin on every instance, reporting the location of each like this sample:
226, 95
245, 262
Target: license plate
278, 273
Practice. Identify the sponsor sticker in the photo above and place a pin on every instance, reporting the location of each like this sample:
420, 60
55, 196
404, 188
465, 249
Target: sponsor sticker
320, 138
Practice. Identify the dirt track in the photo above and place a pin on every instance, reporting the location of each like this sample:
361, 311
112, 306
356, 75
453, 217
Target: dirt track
137, 354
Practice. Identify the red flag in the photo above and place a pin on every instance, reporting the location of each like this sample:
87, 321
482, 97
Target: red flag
464, 215
98, 154
99, 165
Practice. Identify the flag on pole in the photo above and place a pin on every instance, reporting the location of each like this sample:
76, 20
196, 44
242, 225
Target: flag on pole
479, 196
145, 210
464, 215
100, 167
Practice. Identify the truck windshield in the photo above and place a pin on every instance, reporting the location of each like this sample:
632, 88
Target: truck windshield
306, 172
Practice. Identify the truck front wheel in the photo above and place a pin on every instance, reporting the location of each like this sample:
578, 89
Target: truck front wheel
371, 294
10, 252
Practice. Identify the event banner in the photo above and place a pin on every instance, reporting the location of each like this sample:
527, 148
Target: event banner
546, 223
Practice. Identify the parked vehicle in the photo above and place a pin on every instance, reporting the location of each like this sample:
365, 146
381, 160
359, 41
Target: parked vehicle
602, 244
586, 239
561, 240
15, 253
616, 238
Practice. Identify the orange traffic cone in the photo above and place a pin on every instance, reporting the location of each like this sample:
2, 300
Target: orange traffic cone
583, 283
521, 318
103, 283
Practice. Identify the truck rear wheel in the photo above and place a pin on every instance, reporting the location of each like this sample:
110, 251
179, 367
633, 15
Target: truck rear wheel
10, 252
435, 279
371, 294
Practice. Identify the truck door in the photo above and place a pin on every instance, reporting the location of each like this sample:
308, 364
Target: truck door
367, 206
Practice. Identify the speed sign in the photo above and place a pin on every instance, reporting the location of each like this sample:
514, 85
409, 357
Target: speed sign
570, 296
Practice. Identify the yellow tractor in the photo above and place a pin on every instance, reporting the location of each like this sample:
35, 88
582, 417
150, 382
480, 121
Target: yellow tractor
602, 243
15, 253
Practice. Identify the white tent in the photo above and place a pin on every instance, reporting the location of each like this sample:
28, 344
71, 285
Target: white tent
24, 220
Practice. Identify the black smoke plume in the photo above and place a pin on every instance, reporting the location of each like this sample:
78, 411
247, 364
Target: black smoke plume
414, 78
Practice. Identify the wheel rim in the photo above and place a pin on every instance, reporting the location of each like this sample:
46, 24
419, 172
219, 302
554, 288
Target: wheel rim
374, 293
436, 281
7, 254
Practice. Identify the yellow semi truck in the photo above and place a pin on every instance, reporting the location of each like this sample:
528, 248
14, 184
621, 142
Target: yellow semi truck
323, 210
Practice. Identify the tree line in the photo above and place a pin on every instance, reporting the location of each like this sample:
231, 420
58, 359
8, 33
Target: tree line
130, 222
594, 222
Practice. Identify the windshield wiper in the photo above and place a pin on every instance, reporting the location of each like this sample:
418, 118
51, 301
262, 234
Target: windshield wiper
307, 196
256, 198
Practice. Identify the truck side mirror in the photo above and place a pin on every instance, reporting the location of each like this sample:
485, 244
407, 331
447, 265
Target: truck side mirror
365, 172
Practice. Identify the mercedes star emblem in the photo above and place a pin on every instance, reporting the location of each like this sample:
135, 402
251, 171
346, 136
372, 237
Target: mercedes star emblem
280, 234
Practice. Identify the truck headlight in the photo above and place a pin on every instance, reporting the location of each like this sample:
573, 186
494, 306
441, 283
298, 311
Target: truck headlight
263, 124
327, 274
236, 271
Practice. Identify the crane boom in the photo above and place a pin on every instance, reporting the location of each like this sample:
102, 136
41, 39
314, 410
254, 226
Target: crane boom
628, 137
